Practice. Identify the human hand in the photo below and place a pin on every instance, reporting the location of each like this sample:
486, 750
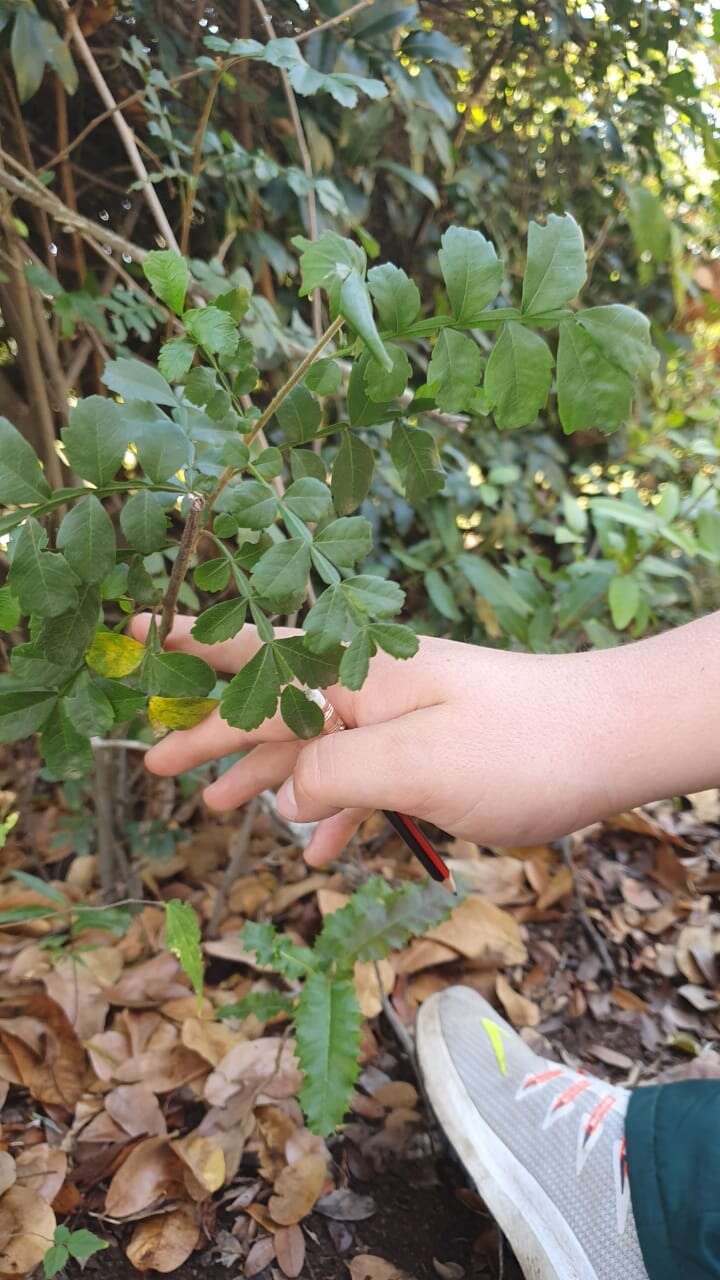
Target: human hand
485, 744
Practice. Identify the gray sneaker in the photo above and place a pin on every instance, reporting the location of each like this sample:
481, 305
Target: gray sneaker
543, 1144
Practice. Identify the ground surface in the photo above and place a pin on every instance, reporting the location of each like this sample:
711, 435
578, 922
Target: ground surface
603, 951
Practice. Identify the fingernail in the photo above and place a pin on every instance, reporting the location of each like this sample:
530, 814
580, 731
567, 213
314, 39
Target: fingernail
286, 800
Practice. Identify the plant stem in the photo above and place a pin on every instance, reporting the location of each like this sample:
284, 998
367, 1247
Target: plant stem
106, 843
180, 568
277, 400
198, 142
333, 22
125, 132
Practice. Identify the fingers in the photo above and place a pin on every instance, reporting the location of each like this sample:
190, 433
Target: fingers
265, 766
385, 766
212, 738
230, 655
332, 835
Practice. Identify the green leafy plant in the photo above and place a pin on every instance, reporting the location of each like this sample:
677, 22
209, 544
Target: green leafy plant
182, 447
79, 1245
324, 1011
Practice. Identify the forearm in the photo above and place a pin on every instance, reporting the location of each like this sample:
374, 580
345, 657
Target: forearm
656, 731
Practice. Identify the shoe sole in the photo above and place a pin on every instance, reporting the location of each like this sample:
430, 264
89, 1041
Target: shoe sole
542, 1240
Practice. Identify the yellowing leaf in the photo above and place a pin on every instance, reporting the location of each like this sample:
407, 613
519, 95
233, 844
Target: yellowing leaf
179, 713
206, 1162
27, 1228
113, 655
164, 1242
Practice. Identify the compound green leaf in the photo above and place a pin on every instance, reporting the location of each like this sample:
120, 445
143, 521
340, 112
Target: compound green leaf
623, 336
10, 611
379, 919
351, 474
175, 675
135, 380
175, 358
471, 270
252, 694
169, 276
42, 581
87, 540
300, 416
592, 391
282, 572
376, 597
301, 715
518, 376
355, 305
21, 476
327, 1033
220, 622
556, 269
144, 523
96, 438
415, 458
398, 641
213, 329
355, 662
67, 636
89, 709
624, 600
456, 367
396, 297
383, 384
317, 670
345, 540
66, 752
327, 621
23, 711
324, 377
309, 499
325, 262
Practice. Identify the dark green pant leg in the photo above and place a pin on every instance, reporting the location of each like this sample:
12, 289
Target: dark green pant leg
673, 1150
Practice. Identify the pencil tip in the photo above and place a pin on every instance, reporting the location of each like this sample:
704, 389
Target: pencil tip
450, 883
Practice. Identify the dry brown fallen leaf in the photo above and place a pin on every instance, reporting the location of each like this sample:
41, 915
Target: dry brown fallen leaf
164, 1242
367, 1266
79, 994
260, 1256
267, 1063
163, 1070
8, 1173
559, 887
149, 983
151, 1174
482, 932
297, 1190
205, 1161
637, 894
55, 1075
27, 1228
501, 879
521, 1011
43, 1169
211, 1040
422, 953
367, 989
397, 1093
290, 1250
136, 1109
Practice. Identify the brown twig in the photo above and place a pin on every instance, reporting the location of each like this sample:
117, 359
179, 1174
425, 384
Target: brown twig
593, 934
21, 136
67, 178
334, 22
197, 155
32, 366
180, 567
241, 842
305, 158
277, 400
125, 133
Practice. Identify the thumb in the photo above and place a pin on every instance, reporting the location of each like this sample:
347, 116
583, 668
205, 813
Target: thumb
382, 766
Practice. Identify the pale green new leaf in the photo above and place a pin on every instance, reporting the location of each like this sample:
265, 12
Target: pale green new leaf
518, 376
396, 297
471, 270
556, 268
169, 277
87, 539
327, 1035
21, 476
415, 458
42, 581
326, 262
175, 358
213, 329
183, 939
